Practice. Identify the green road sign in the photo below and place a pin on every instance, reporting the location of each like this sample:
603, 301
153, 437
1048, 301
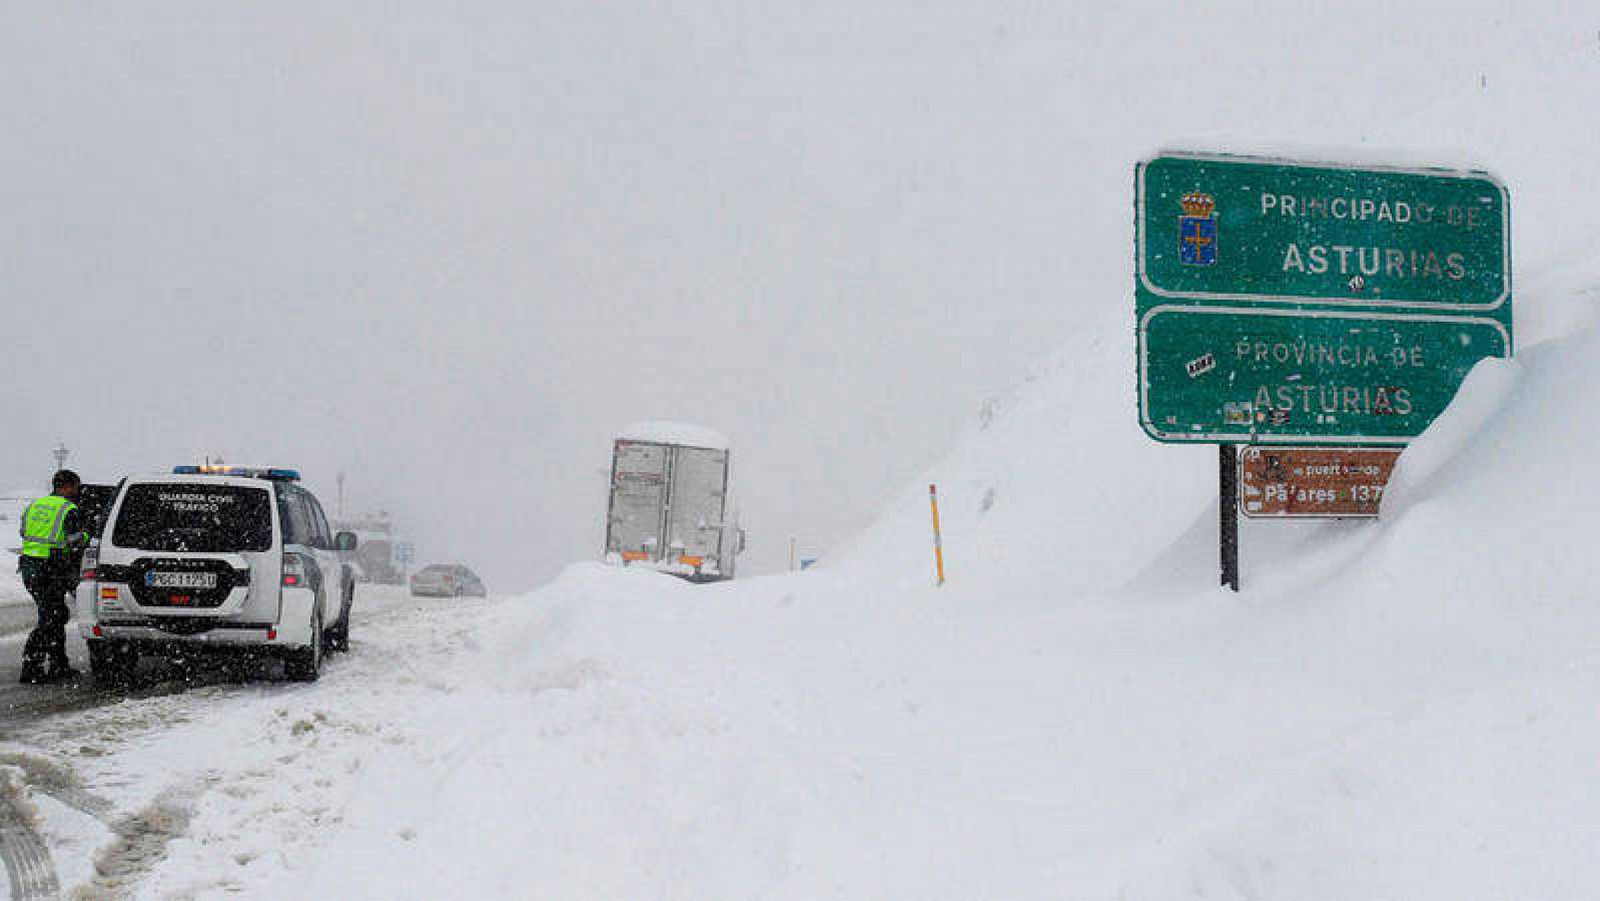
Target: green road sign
1260, 376
1241, 230
1310, 303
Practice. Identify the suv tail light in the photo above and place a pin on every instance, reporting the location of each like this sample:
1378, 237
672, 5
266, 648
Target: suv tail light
91, 561
295, 572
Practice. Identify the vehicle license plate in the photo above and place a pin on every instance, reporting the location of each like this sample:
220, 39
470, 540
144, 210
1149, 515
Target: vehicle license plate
181, 580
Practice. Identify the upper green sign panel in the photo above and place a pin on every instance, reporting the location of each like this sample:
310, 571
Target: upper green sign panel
1220, 228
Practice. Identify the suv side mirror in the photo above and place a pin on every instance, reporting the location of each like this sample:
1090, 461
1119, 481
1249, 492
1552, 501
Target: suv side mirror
344, 541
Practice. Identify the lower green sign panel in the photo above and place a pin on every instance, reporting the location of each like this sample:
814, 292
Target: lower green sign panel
1224, 374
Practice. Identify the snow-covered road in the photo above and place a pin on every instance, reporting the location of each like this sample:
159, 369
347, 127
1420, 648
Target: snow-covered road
16, 608
16, 617
64, 823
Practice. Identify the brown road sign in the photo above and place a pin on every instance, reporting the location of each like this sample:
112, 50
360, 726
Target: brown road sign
1313, 481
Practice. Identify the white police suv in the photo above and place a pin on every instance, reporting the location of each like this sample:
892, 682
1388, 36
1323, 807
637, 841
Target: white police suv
223, 557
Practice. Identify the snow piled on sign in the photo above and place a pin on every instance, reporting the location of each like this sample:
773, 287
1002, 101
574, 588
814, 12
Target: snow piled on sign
679, 433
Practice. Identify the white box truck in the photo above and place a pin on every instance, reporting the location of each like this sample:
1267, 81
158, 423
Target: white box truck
669, 508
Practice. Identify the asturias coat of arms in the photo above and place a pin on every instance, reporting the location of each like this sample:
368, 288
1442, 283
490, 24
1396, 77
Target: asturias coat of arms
1197, 230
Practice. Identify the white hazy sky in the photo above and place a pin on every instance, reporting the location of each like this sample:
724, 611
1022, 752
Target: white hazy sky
451, 249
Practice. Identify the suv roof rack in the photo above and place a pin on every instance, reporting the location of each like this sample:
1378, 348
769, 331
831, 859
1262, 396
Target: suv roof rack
249, 472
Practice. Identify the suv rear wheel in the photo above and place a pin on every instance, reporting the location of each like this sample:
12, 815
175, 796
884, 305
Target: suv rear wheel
339, 635
110, 662
305, 664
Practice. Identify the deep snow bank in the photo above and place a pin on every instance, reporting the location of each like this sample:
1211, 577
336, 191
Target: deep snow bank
1055, 497
1391, 709
1463, 628
1507, 474
1398, 709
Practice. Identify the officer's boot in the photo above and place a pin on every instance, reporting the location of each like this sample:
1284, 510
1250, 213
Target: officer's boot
61, 670
33, 671
34, 657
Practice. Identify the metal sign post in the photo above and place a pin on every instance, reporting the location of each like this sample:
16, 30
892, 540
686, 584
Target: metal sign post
1228, 505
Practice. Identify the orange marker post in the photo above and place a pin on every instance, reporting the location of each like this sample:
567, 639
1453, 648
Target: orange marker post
938, 542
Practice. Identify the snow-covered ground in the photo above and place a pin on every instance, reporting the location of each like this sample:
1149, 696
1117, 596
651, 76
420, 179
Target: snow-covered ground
1395, 709
16, 607
11, 590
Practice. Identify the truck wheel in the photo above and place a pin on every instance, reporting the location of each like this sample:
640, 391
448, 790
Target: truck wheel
305, 664
111, 663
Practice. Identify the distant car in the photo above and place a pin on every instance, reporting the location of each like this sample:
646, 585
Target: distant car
225, 557
447, 580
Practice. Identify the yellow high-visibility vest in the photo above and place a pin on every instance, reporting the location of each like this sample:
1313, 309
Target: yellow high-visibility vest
43, 525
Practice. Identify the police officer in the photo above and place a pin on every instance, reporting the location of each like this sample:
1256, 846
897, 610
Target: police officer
53, 538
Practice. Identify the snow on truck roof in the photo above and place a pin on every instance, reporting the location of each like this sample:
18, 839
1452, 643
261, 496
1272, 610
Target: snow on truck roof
681, 433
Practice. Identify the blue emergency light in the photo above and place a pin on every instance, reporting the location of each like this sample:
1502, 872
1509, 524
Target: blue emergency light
248, 472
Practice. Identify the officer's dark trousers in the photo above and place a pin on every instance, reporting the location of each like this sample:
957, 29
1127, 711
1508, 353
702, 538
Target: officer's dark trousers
47, 643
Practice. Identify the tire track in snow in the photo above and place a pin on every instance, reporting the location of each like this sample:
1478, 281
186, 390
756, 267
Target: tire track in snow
29, 867
59, 782
141, 843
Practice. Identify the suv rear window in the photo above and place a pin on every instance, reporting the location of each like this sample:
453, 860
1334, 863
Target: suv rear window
199, 518
95, 502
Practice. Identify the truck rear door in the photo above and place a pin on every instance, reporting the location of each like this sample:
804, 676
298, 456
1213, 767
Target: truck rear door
638, 500
699, 482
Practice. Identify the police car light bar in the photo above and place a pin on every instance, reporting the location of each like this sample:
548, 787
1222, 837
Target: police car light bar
248, 472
